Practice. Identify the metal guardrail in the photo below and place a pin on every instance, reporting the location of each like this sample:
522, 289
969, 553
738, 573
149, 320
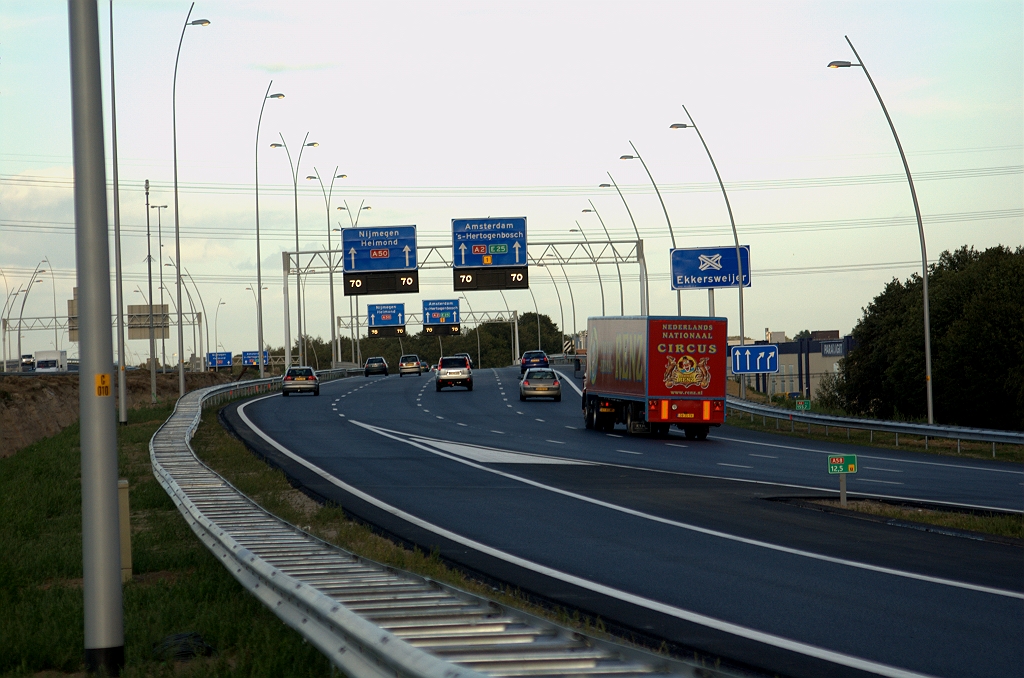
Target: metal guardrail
927, 431
369, 619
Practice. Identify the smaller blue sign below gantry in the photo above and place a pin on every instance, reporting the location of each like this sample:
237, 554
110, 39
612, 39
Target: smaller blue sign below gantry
701, 268
385, 315
250, 357
220, 359
755, 359
489, 242
441, 312
385, 248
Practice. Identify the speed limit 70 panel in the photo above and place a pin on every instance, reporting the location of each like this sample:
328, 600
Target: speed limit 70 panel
492, 278
382, 282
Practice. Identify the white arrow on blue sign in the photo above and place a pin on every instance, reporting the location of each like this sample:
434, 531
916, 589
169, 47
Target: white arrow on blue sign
755, 359
441, 312
489, 242
387, 248
384, 315
701, 268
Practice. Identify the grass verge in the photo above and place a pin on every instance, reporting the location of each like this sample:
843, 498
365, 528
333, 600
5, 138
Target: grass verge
887, 441
178, 585
1001, 525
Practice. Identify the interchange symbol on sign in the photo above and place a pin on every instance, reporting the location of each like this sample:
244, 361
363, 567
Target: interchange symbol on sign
713, 262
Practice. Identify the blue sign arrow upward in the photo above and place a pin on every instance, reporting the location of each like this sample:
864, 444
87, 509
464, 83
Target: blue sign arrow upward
388, 248
755, 359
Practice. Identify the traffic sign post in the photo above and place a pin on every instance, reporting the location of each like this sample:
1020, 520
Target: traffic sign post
380, 260
841, 465
250, 357
489, 254
441, 317
755, 359
702, 268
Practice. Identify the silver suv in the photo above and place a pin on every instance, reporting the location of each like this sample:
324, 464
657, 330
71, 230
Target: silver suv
453, 371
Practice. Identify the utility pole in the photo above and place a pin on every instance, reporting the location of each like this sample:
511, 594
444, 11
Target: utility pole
152, 334
122, 390
101, 548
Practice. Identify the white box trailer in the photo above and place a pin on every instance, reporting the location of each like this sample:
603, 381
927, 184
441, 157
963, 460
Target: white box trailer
51, 361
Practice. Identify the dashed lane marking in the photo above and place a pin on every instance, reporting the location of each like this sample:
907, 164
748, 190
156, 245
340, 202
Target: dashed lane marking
734, 465
763, 456
556, 442
628, 452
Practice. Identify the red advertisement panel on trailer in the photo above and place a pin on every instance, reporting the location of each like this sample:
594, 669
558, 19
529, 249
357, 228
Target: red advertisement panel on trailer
687, 357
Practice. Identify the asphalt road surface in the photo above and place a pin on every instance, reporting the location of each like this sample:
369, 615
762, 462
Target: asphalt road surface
675, 539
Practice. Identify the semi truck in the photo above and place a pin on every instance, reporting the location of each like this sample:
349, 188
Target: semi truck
650, 372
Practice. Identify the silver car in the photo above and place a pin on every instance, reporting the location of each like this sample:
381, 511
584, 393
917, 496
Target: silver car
540, 382
453, 371
298, 379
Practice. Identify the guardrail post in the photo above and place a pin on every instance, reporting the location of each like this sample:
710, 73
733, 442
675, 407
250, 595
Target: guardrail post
897, 438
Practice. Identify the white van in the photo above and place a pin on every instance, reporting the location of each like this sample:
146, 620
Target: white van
51, 361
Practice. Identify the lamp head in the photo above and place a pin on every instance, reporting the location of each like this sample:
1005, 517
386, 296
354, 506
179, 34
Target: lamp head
276, 95
311, 176
604, 186
275, 145
312, 143
588, 210
199, 22
678, 125
367, 208
627, 157
343, 208
341, 176
839, 64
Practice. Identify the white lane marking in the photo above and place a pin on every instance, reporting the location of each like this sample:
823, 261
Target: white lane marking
518, 412
675, 445
763, 456
508, 406
867, 456
538, 420
498, 432
419, 405
493, 455
875, 468
613, 435
557, 442
426, 410
572, 427
570, 382
439, 416
695, 528
340, 415
629, 452
734, 465
884, 482
461, 424
505, 399
633, 599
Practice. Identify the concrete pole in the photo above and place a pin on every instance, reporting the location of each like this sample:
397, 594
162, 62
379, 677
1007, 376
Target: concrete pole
152, 333
515, 351
101, 544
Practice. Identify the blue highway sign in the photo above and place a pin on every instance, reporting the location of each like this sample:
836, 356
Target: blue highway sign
249, 357
489, 242
441, 311
222, 359
702, 268
755, 358
388, 248
384, 315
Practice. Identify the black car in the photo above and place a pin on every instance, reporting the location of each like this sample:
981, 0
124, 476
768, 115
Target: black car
376, 365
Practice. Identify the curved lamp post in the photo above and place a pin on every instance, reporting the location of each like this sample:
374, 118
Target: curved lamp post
259, 271
21, 312
920, 230
536, 312
355, 221
259, 352
672, 235
735, 238
177, 235
159, 256
645, 290
205, 323
295, 186
618, 269
335, 349
600, 283
558, 295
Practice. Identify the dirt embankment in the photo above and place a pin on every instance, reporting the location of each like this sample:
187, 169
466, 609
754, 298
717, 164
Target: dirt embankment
33, 408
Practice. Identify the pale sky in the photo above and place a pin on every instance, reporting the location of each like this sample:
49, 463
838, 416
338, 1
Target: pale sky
452, 110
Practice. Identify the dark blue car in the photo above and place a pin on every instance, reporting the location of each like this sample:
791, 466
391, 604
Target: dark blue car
533, 359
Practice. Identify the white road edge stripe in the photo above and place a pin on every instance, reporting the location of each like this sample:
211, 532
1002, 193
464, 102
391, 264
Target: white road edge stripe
679, 613
570, 382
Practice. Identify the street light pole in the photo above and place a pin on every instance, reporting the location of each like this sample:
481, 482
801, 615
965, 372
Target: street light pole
618, 269
259, 263
920, 231
177, 230
645, 290
298, 276
735, 239
216, 329
21, 313
335, 349
536, 311
122, 388
259, 353
204, 322
160, 257
637, 156
479, 362
558, 295
152, 334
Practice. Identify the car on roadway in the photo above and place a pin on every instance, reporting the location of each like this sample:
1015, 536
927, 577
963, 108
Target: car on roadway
533, 359
453, 371
298, 380
466, 356
375, 365
540, 382
425, 366
410, 364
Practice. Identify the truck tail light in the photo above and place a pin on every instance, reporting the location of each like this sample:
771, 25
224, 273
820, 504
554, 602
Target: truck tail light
707, 410
664, 409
